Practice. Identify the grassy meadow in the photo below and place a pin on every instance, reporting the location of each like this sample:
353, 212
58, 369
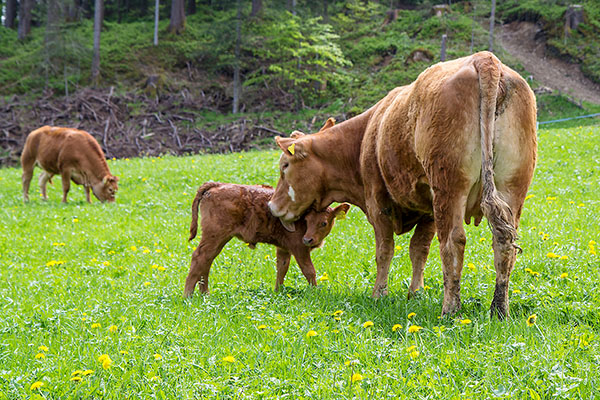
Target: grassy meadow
91, 307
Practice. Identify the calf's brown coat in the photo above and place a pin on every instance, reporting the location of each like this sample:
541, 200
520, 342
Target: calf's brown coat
74, 155
229, 210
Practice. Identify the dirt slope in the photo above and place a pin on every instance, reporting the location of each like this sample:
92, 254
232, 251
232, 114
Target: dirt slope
519, 40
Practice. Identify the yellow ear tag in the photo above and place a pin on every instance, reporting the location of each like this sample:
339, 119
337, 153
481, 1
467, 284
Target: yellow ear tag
291, 148
341, 215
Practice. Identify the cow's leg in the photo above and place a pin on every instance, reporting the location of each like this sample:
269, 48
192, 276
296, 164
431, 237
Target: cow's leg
66, 183
384, 246
202, 259
283, 264
28, 164
306, 265
45, 177
419, 250
449, 213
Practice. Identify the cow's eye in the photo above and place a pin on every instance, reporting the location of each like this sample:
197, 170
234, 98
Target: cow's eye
323, 224
285, 165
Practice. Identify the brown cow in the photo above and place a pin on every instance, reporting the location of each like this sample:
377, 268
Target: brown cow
456, 144
73, 154
241, 211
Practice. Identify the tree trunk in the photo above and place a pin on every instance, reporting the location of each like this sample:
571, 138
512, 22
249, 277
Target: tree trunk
177, 16
325, 12
292, 6
237, 85
492, 17
51, 36
11, 14
144, 8
191, 7
256, 8
98, 11
156, 7
443, 48
24, 18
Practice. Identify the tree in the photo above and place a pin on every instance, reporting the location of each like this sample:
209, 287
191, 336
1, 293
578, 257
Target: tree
98, 14
492, 17
156, 22
256, 8
11, 14
191, 9
25, 7
177, 16
237, 84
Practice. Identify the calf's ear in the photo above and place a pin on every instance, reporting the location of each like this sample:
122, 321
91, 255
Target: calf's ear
341, 211
328, 124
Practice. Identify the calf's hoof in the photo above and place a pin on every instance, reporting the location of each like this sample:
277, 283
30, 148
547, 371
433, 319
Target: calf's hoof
500, 310
379, 291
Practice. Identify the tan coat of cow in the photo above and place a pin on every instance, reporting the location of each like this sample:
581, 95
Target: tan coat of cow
229, 210
457, 144
74, 155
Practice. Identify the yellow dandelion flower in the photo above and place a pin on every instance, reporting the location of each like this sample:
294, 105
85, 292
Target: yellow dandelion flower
112, 328
146, 251
580, 205
157, 356
106, 263
87, 372
335, 331
324, 277
103, 357
414, 328
158, 250
552, 255
96, 325
472, 267
42, 348
337, 313
146, 283
564, 257
356, 377
516, 291
351, 362
410, 349
398, 248
36, 385
410, 315
368, 324
124, 352
76, 379
261, 327
563, 275
75, 220
40, 356
414, 354
161, 268
531, 320
426, 287
107, 363
482, 239
465, 321
529, 196
78, 372
133, 248
229, 359
396, 327
311, 334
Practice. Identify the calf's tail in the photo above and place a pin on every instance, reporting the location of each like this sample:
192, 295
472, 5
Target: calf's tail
495, 209
195, 204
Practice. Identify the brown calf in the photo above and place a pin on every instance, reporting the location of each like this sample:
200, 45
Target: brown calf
457, 144
241, 211
74, 155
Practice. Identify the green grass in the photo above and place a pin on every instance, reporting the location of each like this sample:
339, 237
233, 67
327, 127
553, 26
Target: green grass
111, 276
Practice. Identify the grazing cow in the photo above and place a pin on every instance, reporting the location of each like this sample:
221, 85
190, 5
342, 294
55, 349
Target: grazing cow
228, 210
458, 143
73, 154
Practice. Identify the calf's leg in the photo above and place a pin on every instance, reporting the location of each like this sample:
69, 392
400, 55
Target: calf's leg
283, 264
306, 265
66, 183
202, 259
28, 164
384, 247
45, 176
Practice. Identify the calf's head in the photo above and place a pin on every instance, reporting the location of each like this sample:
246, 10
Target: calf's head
320, 223
300, 177
106, 189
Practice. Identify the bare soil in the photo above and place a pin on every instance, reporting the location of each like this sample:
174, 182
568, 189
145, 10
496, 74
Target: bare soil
524, 41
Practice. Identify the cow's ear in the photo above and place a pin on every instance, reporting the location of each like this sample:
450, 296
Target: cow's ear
105, 179
328, 124
341, 211
291, 147
296, 134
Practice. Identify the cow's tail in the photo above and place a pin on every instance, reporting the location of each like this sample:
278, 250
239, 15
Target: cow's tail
196, 203
495, 209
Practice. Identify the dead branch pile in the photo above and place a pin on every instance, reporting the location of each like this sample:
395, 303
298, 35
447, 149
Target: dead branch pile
128, 125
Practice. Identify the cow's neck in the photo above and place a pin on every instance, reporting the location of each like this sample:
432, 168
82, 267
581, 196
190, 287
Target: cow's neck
96, 170
339, 149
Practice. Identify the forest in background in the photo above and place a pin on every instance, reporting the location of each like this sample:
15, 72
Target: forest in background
228, 75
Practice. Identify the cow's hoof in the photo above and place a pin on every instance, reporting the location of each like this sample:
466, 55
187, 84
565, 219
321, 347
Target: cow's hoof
379, 292
499, 310
450, 309
413, 294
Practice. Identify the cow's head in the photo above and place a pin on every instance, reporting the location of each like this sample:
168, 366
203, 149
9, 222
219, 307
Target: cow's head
106, 189
300, 177
320, 223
